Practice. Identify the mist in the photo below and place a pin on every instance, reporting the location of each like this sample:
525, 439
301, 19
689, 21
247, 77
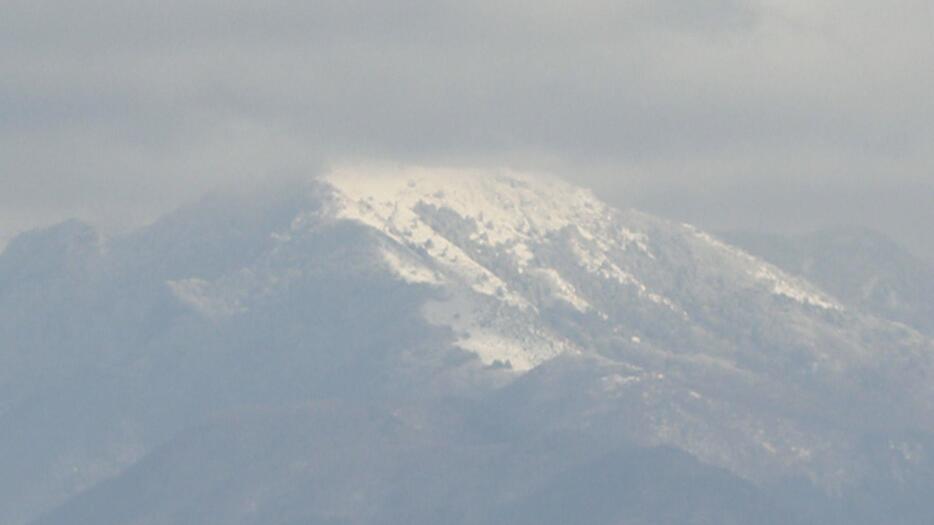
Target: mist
116, 113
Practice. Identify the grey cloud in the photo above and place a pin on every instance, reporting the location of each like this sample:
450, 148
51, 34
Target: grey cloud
140, 105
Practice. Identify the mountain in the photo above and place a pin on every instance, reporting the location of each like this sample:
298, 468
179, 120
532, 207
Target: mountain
865, 269
414, 345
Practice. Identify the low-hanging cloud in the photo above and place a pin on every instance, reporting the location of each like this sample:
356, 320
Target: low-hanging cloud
118, 110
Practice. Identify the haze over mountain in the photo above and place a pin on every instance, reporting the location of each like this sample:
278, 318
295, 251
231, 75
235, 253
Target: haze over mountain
862, 267
425, 345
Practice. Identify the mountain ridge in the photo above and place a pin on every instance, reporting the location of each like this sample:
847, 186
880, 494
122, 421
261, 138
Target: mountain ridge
547, 314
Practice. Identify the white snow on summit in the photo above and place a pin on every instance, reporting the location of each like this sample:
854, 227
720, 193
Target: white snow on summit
504, 246
388, 202
508, 212
508, 206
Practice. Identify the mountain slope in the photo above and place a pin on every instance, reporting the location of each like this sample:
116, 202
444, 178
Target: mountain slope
564, 324
328, 463
863, 268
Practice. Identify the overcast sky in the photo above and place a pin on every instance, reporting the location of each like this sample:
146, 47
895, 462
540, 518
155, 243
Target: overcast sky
768, 114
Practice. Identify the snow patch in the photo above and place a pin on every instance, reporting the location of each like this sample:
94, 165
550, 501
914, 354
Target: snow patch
492, 348
597, 262
613, 383
200, 295
785, 287
409, 270
778, 282
495, 334
562, 289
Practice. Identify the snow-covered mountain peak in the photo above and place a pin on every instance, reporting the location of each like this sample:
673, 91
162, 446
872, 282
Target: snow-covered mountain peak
507, 247
453, 215
506, 205
563, 317
503, 236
